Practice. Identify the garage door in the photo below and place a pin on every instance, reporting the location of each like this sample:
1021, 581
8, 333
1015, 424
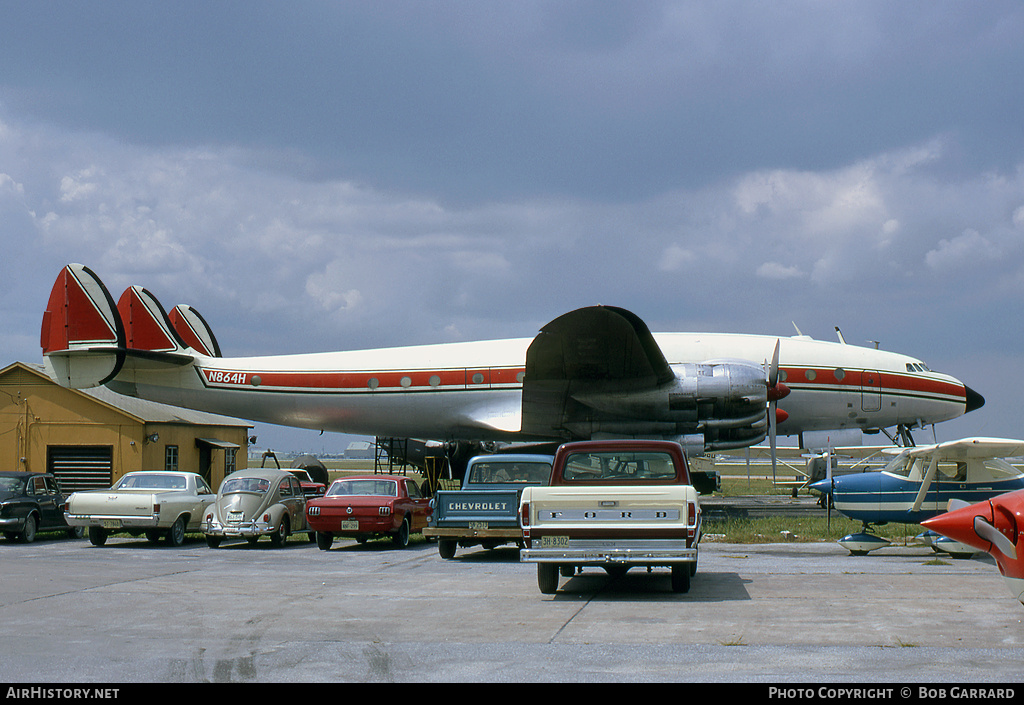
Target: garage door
81, 467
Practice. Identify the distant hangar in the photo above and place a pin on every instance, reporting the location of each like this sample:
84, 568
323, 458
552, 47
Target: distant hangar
89, 438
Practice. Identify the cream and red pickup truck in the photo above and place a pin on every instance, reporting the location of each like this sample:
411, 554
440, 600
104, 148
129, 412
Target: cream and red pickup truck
615, 505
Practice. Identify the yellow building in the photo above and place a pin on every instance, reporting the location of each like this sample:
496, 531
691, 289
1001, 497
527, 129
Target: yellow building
89, 438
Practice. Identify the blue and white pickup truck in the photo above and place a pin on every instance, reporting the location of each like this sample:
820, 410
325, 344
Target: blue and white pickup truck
486, 510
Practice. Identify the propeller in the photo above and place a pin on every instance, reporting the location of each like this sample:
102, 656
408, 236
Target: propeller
776, 391
994, 536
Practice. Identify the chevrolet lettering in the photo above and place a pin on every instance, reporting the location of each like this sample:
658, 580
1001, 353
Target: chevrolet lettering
480, 506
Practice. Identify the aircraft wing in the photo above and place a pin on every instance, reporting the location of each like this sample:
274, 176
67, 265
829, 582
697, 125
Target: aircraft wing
599, 371
961, 449
599, 348
964, 448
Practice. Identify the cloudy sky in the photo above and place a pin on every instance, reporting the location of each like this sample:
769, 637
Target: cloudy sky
333, 175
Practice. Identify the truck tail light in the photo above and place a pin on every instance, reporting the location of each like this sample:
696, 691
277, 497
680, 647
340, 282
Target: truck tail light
691, 514
524, 514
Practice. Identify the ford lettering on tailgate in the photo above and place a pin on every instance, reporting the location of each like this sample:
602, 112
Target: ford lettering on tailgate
609, 515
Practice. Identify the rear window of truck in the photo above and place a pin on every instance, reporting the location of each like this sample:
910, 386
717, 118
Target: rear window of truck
492, 473
619, 467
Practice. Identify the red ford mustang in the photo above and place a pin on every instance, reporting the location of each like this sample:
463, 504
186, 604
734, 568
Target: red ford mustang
368, 506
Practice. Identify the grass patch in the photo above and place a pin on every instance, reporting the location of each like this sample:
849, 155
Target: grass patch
798, 529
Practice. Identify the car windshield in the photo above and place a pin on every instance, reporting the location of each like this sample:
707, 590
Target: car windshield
379, 488
11, 484
504, 471
259, 485
151, 482
618, 466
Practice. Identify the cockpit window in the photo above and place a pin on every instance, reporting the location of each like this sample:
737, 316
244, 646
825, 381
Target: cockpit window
917, 367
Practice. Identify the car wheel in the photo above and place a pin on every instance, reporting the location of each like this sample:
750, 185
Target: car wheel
28, 534
324, 540
447, 548
76, 532
154, 535
401, 537
97, 535
213, 541
681, 578
278, 538
176, 534
547, 578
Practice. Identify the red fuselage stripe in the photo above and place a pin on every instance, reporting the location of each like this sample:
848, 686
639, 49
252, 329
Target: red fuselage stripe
798, 379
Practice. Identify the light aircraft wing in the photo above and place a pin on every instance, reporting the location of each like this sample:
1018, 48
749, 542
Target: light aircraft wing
960, 449
964, 448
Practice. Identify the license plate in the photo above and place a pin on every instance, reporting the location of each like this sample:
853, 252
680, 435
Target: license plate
554, 542
236, 517
350, 525
478, 525
110, 523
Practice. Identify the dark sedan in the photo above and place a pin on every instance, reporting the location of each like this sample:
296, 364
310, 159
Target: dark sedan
31, 502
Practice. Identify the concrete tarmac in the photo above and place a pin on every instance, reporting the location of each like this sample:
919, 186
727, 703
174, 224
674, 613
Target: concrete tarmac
786, 614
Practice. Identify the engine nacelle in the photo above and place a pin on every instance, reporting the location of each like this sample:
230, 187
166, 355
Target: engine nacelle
723, 401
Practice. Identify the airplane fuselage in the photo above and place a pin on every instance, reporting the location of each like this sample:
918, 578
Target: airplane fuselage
883, 497
474, 390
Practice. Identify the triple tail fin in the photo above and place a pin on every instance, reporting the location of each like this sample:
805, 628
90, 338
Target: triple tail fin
87, 339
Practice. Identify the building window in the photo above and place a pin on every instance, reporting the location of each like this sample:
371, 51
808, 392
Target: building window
229, 461
171, 458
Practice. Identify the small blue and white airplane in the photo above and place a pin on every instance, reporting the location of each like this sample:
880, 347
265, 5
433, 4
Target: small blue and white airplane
919, 482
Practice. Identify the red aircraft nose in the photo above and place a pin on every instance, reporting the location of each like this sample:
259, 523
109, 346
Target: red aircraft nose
994, 526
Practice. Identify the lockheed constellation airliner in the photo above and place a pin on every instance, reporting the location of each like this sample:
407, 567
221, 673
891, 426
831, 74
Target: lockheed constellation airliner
595, 372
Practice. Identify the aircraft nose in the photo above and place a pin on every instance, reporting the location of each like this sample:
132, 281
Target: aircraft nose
823, 486
974, 400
